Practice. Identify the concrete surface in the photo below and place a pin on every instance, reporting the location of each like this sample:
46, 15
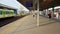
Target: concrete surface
27, 25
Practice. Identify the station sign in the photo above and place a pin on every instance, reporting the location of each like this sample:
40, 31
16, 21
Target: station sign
29, 5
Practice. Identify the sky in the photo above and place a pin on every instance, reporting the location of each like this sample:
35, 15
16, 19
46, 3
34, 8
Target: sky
14, 3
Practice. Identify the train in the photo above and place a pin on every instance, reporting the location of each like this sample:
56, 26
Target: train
4, 13
7, 11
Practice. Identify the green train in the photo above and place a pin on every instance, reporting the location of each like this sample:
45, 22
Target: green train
6, 13
10, 12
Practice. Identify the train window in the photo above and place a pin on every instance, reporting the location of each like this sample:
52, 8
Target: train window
0, 12
13, 12
7, 12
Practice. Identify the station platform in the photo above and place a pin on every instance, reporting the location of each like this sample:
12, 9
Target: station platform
28, 25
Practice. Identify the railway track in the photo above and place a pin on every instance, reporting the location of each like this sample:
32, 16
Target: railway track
6, 21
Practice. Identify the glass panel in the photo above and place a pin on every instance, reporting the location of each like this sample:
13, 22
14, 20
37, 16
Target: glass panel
0, 12
7, 12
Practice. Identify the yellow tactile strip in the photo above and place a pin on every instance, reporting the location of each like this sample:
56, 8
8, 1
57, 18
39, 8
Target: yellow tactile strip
12, 26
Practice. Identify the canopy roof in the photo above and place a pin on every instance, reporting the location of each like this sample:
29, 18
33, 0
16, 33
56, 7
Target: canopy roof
44, 4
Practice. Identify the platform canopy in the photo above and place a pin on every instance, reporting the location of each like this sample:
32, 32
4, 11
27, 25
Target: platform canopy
14, 4
6, 6
44, 4
9, 4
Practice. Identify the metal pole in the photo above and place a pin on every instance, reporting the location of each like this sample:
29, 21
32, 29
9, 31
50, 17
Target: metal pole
37, 12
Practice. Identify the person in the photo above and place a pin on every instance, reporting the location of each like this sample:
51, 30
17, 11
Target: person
49, 14
33, 15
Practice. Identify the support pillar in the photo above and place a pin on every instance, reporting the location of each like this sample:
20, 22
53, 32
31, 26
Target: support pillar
37, 12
